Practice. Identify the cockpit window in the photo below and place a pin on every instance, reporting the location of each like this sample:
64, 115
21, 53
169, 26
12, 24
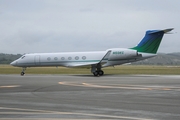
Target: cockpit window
22, 57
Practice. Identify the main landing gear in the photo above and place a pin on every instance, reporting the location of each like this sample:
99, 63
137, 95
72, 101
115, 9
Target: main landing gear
100, 73
96, 70
23, 71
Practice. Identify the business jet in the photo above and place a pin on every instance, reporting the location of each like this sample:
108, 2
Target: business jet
97, 60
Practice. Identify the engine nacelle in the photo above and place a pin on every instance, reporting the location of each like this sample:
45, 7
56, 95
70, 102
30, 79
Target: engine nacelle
120, 54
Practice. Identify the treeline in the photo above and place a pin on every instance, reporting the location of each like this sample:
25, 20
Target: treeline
8, 58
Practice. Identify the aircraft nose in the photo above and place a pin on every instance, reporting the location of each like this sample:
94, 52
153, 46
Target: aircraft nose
13, 63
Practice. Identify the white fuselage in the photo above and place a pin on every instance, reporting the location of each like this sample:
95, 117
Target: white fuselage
59, 59
110, 57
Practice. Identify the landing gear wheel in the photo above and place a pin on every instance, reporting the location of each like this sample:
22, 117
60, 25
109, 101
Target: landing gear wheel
23, 69
95, 73
22, 73
101, 72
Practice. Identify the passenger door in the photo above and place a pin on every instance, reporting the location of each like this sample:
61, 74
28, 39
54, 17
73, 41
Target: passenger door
37, 60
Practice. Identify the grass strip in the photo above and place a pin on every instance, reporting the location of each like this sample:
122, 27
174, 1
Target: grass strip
123, 69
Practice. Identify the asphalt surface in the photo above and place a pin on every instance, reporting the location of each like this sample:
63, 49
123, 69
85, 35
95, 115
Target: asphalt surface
127, 97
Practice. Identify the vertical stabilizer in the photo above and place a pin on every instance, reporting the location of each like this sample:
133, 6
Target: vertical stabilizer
151, 41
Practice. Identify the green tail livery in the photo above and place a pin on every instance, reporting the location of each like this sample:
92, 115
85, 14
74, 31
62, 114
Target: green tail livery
151, 41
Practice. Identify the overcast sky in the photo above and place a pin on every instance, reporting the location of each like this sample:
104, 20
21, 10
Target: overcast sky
28, 26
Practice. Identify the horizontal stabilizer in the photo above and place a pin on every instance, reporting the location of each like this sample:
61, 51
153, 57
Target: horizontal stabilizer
156, 31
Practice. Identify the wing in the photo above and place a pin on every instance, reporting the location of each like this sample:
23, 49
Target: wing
88, 63
80, 64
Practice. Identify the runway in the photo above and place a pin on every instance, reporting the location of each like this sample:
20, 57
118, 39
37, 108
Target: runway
126, 97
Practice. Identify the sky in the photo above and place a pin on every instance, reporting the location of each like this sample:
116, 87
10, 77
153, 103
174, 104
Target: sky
38, 26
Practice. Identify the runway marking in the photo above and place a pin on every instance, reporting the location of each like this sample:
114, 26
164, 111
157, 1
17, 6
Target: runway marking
69, 113
10, 86
122, 86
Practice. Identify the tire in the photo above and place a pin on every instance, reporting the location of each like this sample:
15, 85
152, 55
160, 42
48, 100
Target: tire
22, 73
101, 72
96, 73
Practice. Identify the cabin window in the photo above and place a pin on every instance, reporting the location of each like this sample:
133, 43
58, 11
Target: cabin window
69, 58
84, 57
76, 58
55, 58
48, 58
62, 58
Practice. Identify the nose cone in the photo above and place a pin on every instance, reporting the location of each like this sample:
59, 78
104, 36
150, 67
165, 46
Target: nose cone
13, 63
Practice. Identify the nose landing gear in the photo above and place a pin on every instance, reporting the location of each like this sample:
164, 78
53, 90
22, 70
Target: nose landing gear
23, 71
